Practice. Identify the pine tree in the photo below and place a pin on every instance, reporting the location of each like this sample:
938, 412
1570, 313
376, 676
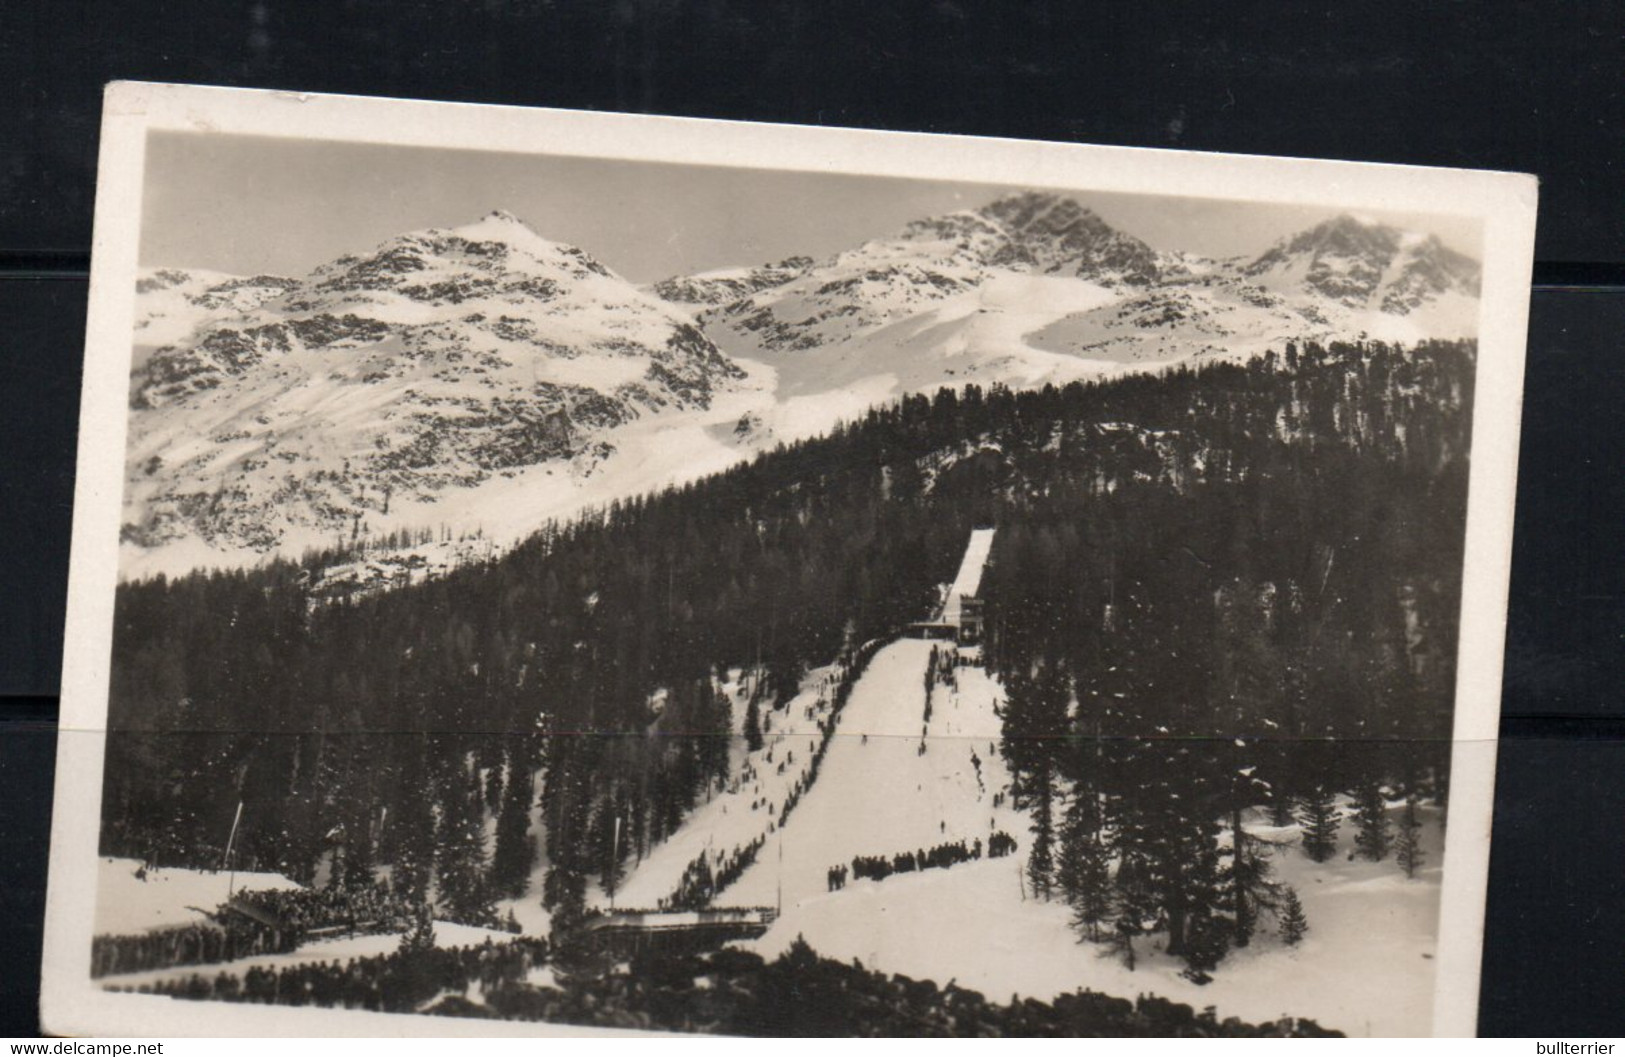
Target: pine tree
420, 935
1371, 837
567, 805
515, 853
409, 832
1041, 860
462, 892
1293, 923
1194, 894
1408, 846
1084, 872
753, 725
1253, 892
1319, 817
1134, 908
1207, 940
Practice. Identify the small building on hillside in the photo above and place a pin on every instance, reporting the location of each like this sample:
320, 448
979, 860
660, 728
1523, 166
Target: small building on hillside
970, 621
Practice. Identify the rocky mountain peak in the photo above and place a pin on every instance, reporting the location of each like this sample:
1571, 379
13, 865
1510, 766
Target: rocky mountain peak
1027, 211
1348, 234
1057, 235
1362, 263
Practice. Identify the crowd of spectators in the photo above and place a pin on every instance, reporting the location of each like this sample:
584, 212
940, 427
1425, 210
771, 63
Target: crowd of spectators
265, 921
195, 944
390, 983
360, 908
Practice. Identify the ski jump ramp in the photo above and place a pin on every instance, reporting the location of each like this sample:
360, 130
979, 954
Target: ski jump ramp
969, 580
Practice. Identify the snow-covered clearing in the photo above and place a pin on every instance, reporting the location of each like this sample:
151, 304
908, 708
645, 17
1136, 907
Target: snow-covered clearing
167, 897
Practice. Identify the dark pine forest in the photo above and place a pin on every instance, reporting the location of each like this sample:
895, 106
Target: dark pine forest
1213, 589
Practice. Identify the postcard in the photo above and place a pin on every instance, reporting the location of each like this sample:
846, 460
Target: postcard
539, 572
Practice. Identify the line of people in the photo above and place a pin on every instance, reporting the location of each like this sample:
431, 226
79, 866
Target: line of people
701, 881
878, 867
195, 944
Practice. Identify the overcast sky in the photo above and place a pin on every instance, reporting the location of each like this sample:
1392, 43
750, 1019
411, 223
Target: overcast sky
247, 205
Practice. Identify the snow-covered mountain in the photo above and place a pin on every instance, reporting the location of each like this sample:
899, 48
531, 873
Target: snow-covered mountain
1037, 288
294, 413
1363, 264
1374, 270
527, 380
727, 285
171, 301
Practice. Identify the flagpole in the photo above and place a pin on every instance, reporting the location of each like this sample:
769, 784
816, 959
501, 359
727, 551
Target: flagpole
231, 878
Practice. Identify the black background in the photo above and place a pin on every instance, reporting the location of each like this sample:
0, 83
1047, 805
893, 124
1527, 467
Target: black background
1530, 87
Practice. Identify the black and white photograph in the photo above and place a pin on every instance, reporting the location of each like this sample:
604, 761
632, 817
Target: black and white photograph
546, 571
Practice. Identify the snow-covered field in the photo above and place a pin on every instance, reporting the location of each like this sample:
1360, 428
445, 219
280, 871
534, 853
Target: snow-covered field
170, 897
125, 903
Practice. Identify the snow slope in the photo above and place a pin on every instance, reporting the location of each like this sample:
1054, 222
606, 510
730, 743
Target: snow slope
892, 781
877, 794
749, 809
1365, 968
